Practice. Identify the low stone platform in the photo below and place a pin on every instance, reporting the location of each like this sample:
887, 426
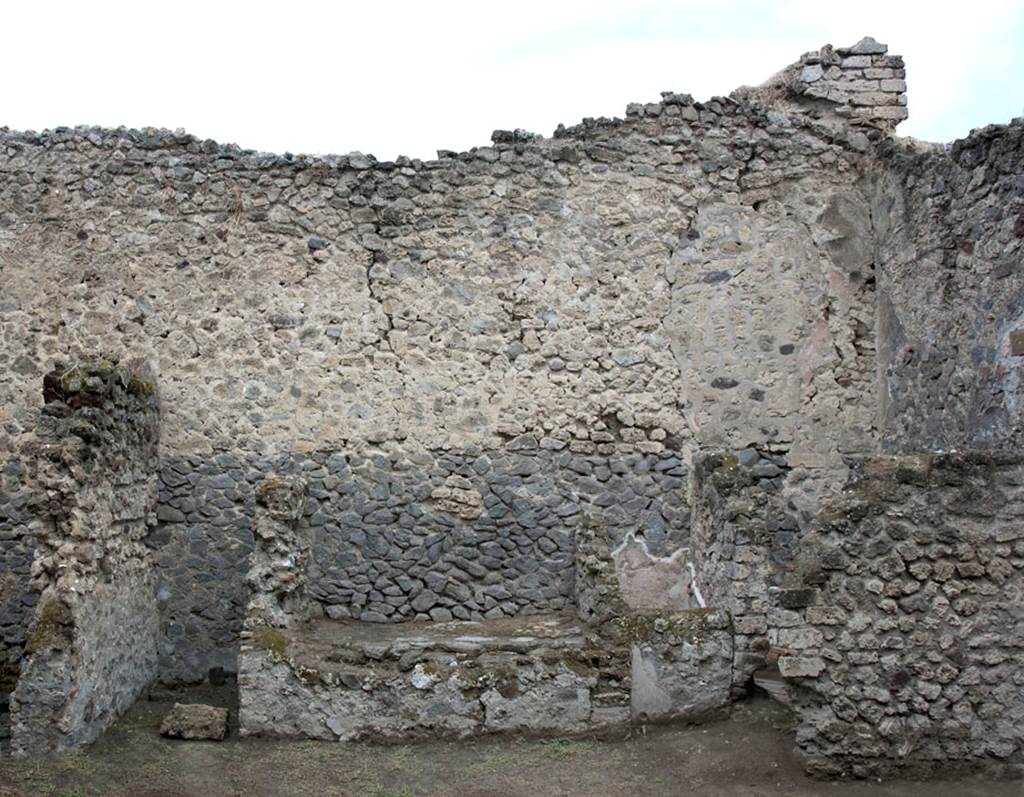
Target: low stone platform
540, 674
349, 680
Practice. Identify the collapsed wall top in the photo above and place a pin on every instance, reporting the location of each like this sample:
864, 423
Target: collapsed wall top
862, 85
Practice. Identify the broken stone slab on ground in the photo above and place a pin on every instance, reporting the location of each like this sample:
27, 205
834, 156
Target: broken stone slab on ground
195, 721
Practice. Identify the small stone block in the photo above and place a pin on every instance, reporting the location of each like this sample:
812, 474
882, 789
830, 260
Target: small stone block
1017, 343
797, 598
811, 73
195, 721
801, 666
868, 46
748, 457
751, 625
825, 615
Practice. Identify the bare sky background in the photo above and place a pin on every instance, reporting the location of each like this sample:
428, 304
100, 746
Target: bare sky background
409, 78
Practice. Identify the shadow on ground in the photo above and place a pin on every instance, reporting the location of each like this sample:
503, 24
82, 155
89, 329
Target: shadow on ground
749, 754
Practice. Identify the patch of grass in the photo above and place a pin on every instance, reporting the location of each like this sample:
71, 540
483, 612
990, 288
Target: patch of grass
79, 762
402, 756
377, 790
72, 791
563, 748
46, 788
160, 762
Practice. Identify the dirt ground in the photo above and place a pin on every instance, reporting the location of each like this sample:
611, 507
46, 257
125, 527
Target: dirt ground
749, 754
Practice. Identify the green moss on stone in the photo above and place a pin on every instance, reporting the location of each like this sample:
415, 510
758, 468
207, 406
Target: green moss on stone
91, 380
140, 387
272, 641
727, 464
691, 625
52, 628
436, 668
310, 676
578, 664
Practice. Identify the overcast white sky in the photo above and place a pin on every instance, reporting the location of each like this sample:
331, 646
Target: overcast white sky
391, 77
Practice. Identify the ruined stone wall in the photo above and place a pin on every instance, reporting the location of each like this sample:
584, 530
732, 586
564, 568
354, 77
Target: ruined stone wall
860, 85
639, 654
490, 369
744, 537
535, 285
16, 597
91, 468
401, 534
950, 228
908, 656
695, 274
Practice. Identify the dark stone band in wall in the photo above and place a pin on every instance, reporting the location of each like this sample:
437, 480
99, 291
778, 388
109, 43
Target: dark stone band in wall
401, 535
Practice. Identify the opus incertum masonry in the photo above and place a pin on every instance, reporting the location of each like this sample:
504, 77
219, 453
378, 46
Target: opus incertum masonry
554, 435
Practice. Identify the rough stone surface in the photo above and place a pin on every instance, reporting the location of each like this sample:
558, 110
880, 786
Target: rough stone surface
744, 535
684, 669
908, 658
860, 85
195, 721
950, 226
92, 641
624, 372
549, 673
629, 287
381, 545
17, 600
350, 681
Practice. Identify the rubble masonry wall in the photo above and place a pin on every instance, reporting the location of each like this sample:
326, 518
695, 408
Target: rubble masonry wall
91, 470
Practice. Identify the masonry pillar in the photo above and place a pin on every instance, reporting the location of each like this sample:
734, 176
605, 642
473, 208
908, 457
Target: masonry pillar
92, 469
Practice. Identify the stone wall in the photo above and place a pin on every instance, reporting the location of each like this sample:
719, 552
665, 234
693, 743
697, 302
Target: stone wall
744, 537
91, 476
859, 85
950, 229
535, 285
492, 368
695, 274
908, 656
627, 654
401, 534
16, 597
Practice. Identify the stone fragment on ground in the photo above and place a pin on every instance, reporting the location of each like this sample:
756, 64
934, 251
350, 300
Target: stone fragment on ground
195, 721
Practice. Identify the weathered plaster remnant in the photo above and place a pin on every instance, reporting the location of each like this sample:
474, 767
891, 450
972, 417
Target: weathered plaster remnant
551, 435
653, 582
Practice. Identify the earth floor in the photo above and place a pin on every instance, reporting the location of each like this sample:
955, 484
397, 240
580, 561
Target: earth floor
747, 754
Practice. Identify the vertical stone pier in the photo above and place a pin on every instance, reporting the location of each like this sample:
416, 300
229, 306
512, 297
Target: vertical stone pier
91, 471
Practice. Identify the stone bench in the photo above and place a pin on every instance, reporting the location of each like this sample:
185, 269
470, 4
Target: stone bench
539, 674
349, 680
634, 648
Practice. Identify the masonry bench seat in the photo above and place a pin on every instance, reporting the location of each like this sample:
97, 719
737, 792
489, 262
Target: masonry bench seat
348, 680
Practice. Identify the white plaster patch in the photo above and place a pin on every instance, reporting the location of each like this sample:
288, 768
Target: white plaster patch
421, 679
652, 582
